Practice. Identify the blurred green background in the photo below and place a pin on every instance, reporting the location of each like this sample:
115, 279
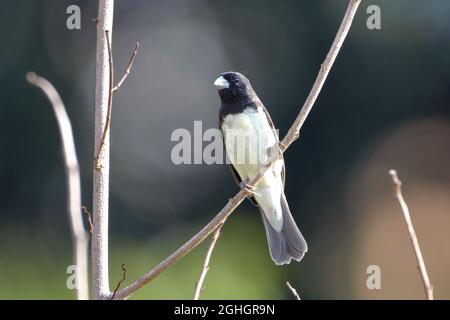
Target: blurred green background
385, 105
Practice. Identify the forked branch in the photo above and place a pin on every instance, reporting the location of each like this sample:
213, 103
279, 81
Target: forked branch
103, 106
112, 89
201, 279
291, 136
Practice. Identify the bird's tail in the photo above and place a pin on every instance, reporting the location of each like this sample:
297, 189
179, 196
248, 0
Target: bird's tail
288, 243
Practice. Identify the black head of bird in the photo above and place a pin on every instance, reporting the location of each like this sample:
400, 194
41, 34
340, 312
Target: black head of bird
234, 87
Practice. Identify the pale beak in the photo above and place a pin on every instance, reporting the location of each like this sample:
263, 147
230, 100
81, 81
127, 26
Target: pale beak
221, 83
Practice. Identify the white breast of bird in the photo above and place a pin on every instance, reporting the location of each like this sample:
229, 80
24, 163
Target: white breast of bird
248, 140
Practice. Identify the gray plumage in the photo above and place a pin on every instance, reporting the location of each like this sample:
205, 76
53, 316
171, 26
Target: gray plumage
287, 244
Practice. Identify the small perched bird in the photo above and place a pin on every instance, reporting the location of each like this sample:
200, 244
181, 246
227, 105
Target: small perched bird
250, 139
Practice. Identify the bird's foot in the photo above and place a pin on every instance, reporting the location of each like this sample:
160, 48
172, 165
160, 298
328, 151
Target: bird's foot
249, 188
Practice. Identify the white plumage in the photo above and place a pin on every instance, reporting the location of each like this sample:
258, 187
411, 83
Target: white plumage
248, 141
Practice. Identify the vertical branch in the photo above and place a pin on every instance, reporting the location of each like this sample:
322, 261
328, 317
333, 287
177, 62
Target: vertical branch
100, 275
199, 285
412, 234
79, 235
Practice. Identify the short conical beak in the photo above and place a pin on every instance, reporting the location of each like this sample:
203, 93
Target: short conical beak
221, 83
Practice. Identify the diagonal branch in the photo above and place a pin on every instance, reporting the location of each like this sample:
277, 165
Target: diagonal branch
128, 70
79, 235
124, 275
199, 285
412, 234
234, 202
325, 68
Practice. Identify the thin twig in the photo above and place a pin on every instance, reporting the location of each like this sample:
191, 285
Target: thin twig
234, 202
201, 279
79, 235
294, 292
112, 89
98, 166
128, 70
124, 275
89, 216
428, 287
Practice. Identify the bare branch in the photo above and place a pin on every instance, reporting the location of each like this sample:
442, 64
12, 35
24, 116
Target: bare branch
104, 96
128, 70
199, 285
100, 199
112, 89
412, 234
79, 236
294, 292
234, 202
294, 132
124, 275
